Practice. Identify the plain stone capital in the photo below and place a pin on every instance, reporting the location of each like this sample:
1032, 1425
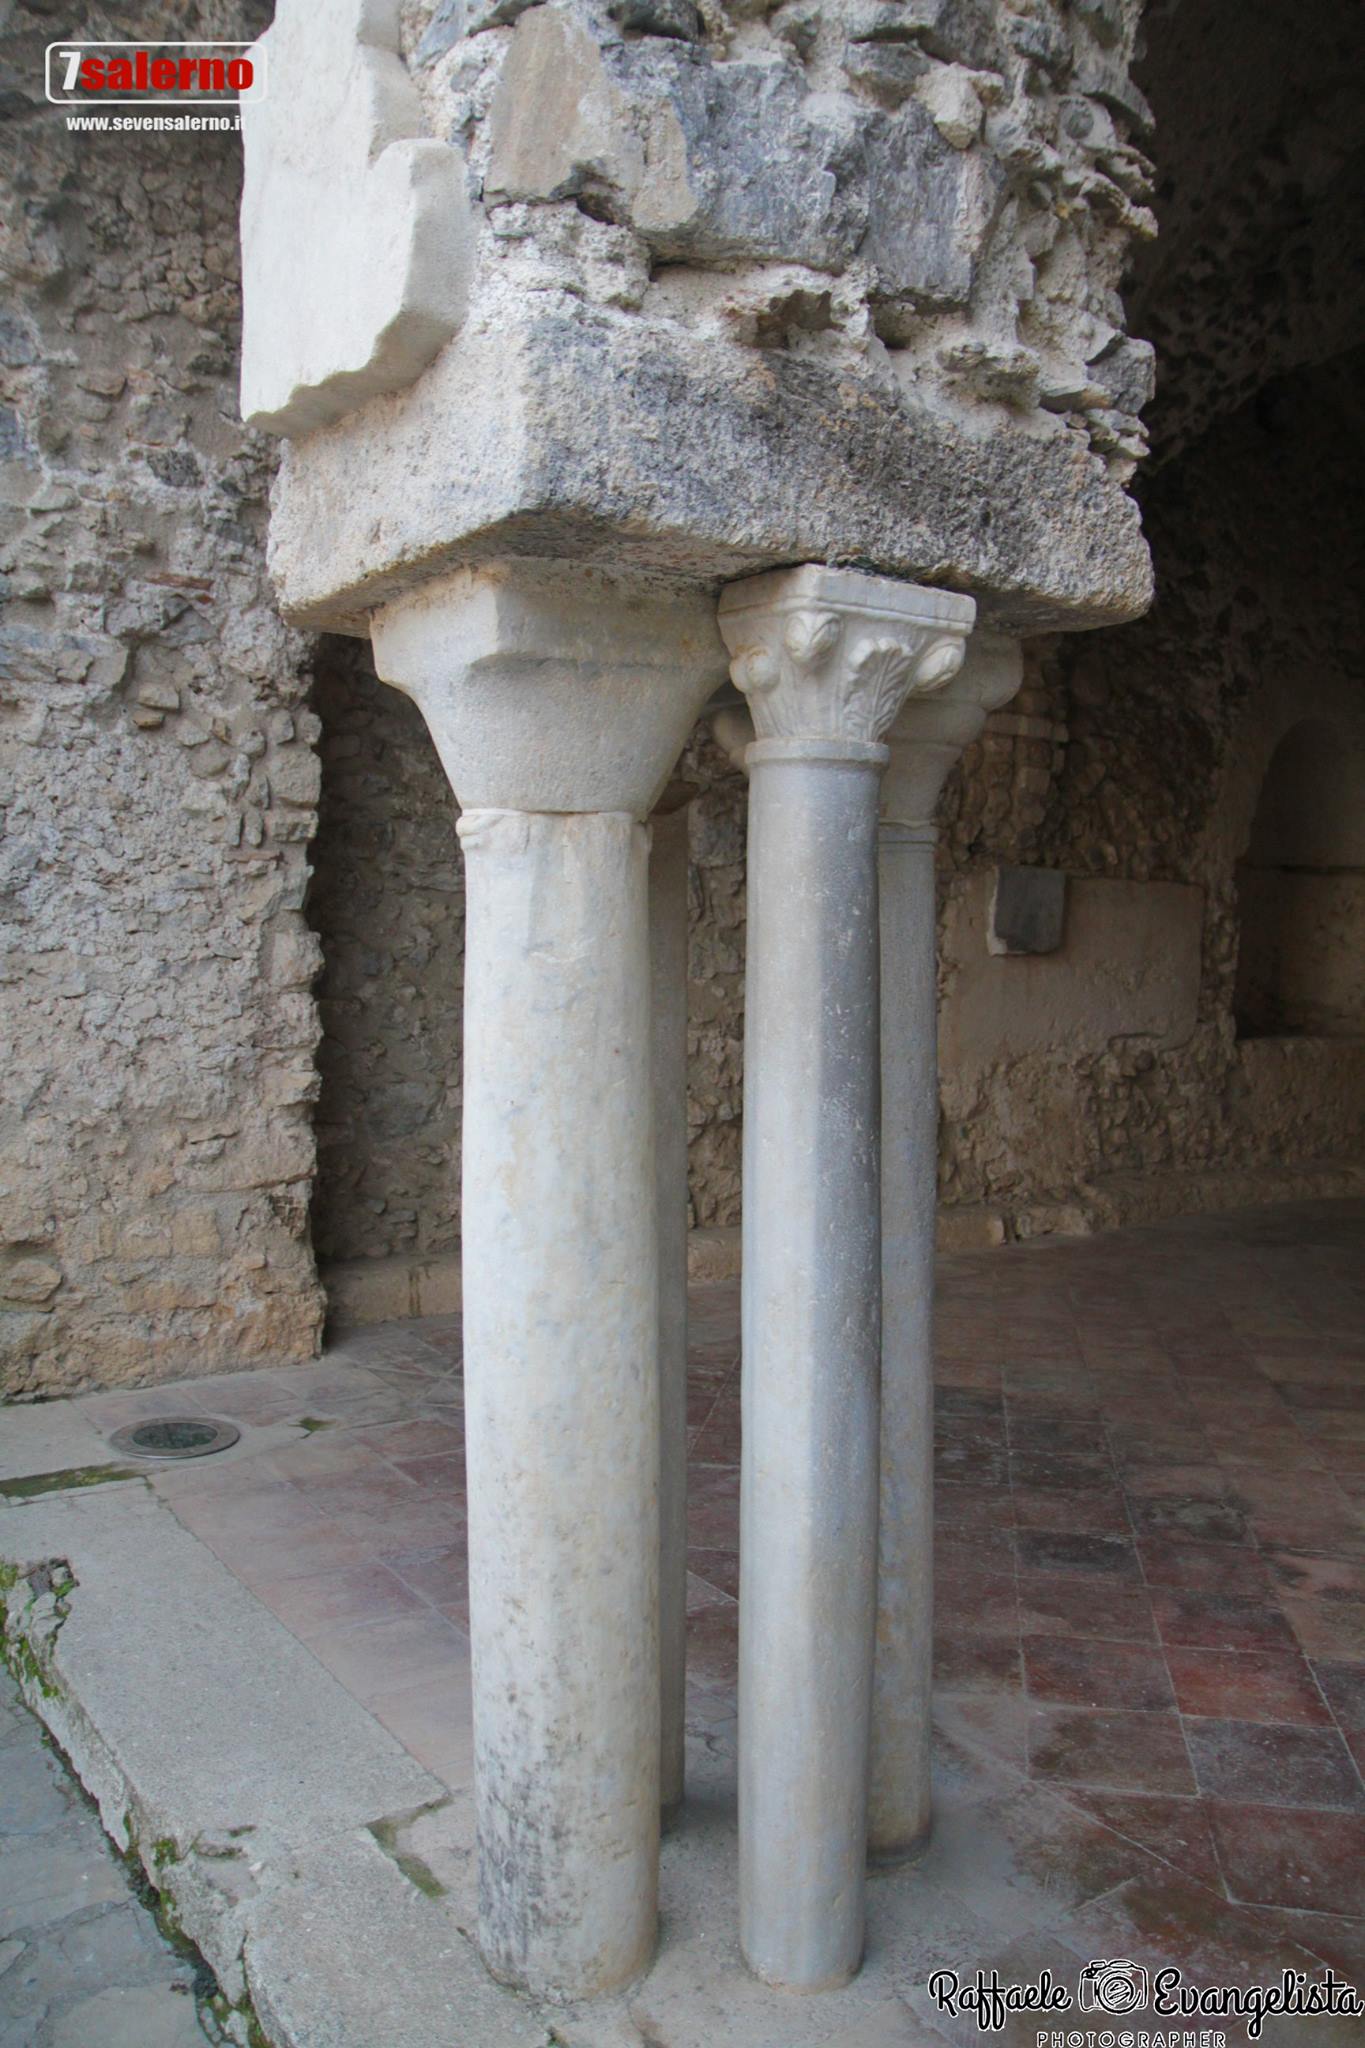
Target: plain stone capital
829, 656
553, 686
930, 733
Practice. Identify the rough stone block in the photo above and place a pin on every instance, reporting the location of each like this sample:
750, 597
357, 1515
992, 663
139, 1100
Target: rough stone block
742, 161
931, 209
707, 162
1126, 372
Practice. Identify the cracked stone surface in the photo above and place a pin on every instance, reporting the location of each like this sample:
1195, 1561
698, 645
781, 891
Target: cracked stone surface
82, 1961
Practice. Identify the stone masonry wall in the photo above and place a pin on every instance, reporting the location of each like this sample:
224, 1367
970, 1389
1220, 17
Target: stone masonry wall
1151, 746
172, 1101
1134, 755
388, 903
934, 194
157, 759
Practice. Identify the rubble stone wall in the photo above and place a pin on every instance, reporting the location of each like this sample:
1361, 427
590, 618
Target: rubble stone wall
1160, 738
159, 769
941, 192
189, 1110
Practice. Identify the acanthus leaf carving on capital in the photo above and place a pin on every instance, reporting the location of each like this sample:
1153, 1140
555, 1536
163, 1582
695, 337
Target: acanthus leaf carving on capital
832, 655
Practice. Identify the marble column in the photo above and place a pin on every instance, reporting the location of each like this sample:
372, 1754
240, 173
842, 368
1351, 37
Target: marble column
825, 658
559, 697
925, 741
668, 995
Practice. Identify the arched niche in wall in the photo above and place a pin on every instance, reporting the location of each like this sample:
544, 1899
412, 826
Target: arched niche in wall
1301, 892
387, 903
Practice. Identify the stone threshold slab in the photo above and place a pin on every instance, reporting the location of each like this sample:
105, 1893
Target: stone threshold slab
325, 1876
263, 1802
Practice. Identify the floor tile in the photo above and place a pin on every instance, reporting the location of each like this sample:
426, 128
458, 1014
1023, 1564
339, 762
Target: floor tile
1059, 1552
1327, 1630
1182, 1519
1338, 1580
1246, 1685
325, 1600
1054, 1472
383, 1657
1205, 1567
713, 1508
965, 1662
1176, 1830
1079, 1606
1121, 1751
720, 1568
986, 1602
1343, 1686
1185, 1482
1262, 1765
439, 1573
1295, 1857
713, 1644
1096, 1674
1098, 1511
1218, 1621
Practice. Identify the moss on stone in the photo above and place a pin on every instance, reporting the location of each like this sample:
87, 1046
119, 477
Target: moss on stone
412, 1867
34, 1484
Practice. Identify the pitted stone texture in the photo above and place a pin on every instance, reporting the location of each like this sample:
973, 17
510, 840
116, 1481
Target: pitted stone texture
157, 755
707, 162
607, 438
355, 230
734, 287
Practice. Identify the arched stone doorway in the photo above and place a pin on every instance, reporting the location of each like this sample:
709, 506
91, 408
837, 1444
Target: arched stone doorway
1301, 892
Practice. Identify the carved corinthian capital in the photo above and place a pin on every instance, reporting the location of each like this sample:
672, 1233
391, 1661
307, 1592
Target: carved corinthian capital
831, 655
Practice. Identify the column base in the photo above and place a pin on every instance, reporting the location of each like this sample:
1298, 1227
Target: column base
897, 1858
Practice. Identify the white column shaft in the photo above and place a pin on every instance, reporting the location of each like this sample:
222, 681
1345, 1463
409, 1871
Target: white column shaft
925, 741
560, 1317
808, 1490
899, 1811
826, 659
668, 989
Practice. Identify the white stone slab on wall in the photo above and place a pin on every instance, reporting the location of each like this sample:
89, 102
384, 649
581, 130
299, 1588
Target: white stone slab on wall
356, 236
1128, 966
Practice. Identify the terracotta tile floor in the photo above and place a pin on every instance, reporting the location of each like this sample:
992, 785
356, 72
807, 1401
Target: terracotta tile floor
1150, 1574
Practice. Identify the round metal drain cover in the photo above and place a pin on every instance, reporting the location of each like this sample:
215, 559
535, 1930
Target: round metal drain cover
174, 1436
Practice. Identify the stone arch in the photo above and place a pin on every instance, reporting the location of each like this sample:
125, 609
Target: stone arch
1300, 884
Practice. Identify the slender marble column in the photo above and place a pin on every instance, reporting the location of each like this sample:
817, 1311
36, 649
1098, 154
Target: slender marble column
825, 658
926, 739
668, 990
559, 698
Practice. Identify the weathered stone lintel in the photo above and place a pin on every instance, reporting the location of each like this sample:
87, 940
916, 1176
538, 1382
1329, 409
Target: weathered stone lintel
596, 442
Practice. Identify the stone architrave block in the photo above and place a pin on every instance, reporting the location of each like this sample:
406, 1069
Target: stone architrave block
356, 229
1028, 910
